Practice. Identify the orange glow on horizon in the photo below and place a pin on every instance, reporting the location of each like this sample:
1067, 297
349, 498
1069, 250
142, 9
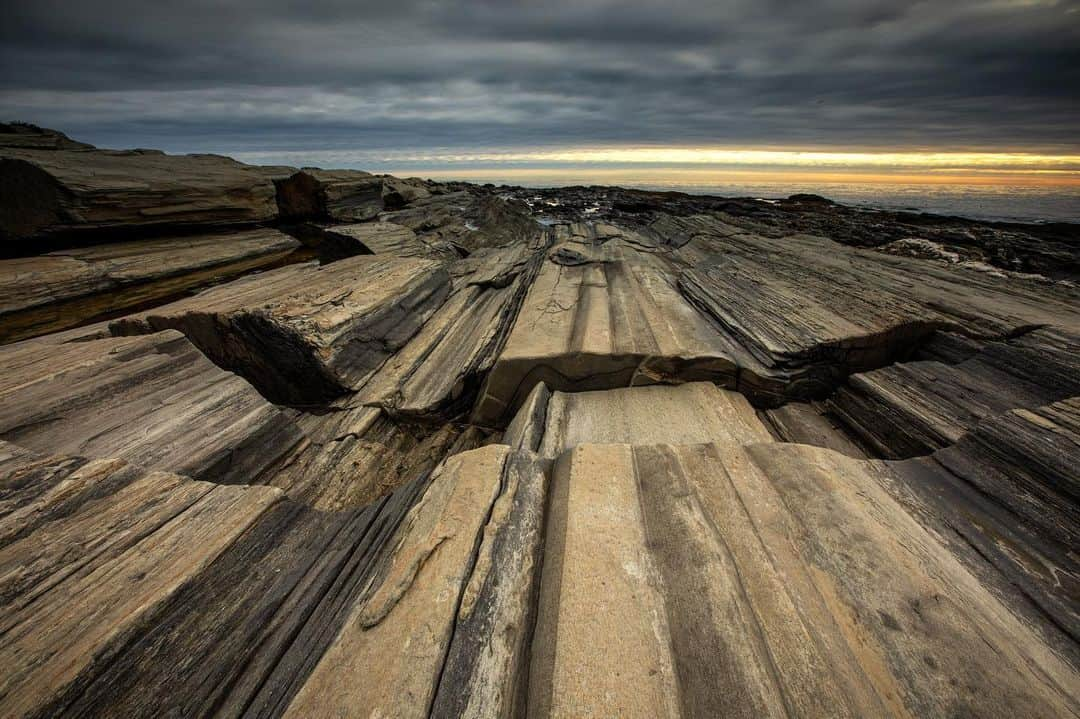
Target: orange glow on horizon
683, 176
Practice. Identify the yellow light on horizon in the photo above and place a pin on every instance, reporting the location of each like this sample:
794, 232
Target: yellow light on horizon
776, 158
676, 177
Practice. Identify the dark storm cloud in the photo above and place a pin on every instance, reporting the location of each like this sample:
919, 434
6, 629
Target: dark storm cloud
202, 74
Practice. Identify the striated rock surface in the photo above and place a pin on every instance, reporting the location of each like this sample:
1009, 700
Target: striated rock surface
385, 238
155, 401
438, 372
916, 407
31, 137
339, 195
304, 334
602, 324
48, 192
799, 307
93, 551
60, 289
656, 455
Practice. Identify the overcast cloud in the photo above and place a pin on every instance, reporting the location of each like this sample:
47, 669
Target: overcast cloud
262, 75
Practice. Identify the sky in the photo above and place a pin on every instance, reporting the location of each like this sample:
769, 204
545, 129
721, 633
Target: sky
984, 90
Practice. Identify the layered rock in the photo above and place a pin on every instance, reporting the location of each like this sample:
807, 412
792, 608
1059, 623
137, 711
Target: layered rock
914, 408
338, 195
110, 545
48, 192
1005, 496
414, 602
438, 373
603, 324
25, 136
799, 308
353, 454
467, 221
554, 422
1047, 249
384, 238
631, 464
142, 592
305, 334
155, 401
58, 290
677, 583
397, 193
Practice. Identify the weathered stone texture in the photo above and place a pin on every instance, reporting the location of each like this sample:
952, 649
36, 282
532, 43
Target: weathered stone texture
155, 401
55, 191
305, 334
58, 290
663, 456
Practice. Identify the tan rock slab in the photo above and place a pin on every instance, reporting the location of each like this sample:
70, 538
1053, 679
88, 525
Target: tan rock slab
305, 334
59, 290
53, 191
387, 658
155, 401
102, 569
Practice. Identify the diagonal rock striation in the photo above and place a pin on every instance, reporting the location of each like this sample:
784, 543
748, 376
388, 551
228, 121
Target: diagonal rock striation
523, 453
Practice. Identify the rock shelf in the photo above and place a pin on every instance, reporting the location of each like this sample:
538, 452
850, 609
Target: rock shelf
656, 456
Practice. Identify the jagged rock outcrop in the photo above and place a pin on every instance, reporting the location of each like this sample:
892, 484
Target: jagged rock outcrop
397, 193
343, 195
660, 455
800, 313
438, 372
1005, 496
914, 408
467, 221
602, 324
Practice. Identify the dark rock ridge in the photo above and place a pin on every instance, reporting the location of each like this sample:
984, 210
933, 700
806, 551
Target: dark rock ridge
322, 443
50, 192
1049, 249
31, 137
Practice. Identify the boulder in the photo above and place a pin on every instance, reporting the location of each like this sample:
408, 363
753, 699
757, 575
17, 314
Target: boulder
335, 195
399, 193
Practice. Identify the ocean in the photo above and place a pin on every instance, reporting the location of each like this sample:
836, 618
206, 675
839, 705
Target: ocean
997, 203
993, 203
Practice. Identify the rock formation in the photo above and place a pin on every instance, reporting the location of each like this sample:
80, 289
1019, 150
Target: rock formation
325, 443
49, 192
61, 289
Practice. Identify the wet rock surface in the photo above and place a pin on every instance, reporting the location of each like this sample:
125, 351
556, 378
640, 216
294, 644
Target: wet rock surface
327, 443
